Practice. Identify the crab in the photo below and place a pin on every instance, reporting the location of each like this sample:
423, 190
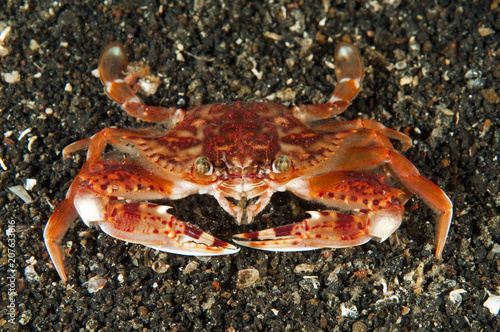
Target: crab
241, 154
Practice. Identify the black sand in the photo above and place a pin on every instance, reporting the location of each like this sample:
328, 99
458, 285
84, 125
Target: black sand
432, 69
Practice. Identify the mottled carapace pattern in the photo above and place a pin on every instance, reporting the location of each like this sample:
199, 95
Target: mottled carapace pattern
243, 138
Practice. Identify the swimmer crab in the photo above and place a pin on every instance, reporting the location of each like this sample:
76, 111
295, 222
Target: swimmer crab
242, 153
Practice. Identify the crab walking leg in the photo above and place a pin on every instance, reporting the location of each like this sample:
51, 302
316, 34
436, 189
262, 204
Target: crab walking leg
112, 65
96, 144
377, 128
377, 214
58, 224
98, 195
366, 158
349, 72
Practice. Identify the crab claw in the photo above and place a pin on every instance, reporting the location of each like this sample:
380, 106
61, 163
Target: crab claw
146, 224
183, 239
152, 226
325, 229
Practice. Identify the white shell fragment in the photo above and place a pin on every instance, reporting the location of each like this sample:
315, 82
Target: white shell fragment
30, 273
492, 303
3, 35
20, 192
30, 142
30, 183
310, 281
95, 73
2, 164
24, 133
149, 86
96, 283
454, 301
348, 311
455, 296
388, 295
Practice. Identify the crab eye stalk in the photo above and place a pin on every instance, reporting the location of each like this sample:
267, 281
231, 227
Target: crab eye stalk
281, 164
203, 166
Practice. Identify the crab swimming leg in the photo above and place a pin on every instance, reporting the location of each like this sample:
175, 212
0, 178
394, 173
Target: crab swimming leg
349, 72
100, 196
376, 206
112, 65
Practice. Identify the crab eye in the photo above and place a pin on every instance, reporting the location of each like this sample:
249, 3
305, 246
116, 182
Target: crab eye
281, 164
203, 166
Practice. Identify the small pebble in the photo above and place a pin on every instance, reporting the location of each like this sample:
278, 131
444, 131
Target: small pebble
34, 45
405, 80
12, 77
359, 327
400, 65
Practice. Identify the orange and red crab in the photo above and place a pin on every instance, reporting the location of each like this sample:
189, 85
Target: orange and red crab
244, 153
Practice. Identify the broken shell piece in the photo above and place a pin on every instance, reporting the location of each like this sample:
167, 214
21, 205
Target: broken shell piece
160, 267
247, 277
30, 273
455, 296
454, 300
96, 283
20, 192
30, 183
191, 267
348, 310
304, 268
492, 303
333, 276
